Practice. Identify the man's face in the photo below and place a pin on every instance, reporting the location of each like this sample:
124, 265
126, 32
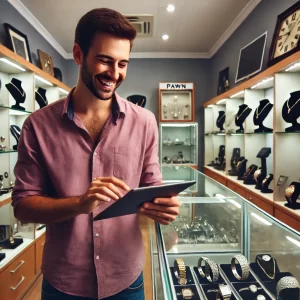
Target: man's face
104, 67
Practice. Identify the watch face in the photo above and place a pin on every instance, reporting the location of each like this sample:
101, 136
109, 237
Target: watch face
187, 293
288, 35
225, 290
261, 297
266, 257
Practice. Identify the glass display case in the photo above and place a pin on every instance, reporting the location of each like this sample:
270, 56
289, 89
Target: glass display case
178, 143
223, 247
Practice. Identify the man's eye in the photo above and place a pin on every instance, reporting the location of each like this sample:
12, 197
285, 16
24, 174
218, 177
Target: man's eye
122, 65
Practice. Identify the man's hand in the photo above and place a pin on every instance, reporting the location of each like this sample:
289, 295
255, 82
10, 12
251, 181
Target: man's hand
101, 190
163, 210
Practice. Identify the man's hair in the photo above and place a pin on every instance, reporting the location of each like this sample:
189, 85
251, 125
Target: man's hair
102, 20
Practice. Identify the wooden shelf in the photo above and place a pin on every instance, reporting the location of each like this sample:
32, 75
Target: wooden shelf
259, 77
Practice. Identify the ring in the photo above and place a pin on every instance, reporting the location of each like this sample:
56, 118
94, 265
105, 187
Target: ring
252, 288
287, 282
211, 266
200, 265
242, 260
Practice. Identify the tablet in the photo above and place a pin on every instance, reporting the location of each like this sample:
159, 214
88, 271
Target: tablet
130, 203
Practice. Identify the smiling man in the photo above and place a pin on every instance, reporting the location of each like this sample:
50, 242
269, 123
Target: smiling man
78, 154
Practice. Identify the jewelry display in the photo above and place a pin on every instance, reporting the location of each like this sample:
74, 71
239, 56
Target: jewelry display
260, 115
15, 89
265, 184
289, 192
180, 271
201, 259
211, 267
249, 175
186, 293
221, 120
291, 111
263, 154
16, 132
258, 178
236, 154
139, 100
2, 147
260, 297
187, 110
287, 282
40, 97
224, 292
252, 288
242, 261
241, 167
267, 264
221, 159
243, 112
292, 193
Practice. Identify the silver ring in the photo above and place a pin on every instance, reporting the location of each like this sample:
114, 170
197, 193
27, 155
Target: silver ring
202, 258
211, 266
242, 260
287, 282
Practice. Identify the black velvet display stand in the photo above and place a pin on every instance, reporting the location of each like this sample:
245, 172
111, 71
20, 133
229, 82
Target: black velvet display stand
260, 115
263, 154
259, 179
236, 154
16, 132
265, 185
221, 120
139, 100
248, 295
2, 256
221, 158
291, 111
292, 202
16, 90
40, 97
6, 244
249, 175
241, 169
243, 112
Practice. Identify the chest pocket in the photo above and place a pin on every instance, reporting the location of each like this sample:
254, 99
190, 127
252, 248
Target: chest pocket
127, 162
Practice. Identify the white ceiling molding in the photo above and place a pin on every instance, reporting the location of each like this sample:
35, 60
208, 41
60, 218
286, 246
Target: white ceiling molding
22, 9
233, 27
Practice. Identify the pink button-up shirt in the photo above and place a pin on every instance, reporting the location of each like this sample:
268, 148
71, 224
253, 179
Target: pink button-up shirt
57, 157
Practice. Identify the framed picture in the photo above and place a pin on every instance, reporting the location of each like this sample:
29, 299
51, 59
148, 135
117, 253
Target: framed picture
223, 84
17, 41
46, 62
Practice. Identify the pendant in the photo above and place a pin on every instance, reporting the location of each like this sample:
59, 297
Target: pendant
289, 110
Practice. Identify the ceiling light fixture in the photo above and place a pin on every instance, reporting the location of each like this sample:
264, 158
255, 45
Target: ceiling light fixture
165, 37
170, 8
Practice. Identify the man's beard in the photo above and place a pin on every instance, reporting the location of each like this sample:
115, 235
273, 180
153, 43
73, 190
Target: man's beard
87, 79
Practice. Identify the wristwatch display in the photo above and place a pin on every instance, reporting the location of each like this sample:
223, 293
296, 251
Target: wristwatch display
186, 293
180, 271
224, 292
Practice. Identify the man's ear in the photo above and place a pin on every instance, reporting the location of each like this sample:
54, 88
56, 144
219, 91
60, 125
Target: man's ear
77, 54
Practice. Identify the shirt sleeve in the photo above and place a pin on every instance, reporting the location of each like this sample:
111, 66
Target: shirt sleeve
30, 172
151, 174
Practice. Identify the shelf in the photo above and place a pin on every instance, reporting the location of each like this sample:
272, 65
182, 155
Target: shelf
5, 197
15, 112
284, 132
178, 145
7, 152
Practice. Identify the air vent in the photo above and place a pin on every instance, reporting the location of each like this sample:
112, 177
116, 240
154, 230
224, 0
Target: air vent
142, 23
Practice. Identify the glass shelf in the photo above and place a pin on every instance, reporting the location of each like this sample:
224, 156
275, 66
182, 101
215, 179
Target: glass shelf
9, 151
178, 145
15, 112
284, 132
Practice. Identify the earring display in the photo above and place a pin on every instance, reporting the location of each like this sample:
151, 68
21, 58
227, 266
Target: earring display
292, 193
291, 111
221, 120
260, 115
15, 89
40, 97
16, 132
243, 112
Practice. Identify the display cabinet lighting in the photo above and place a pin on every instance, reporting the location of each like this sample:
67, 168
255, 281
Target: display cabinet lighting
237, 94
262, 82
297, 243
293, 66
12, 64
235, 203
262, 220
221, 101
43, 80
63, 91
220, 133
210, 105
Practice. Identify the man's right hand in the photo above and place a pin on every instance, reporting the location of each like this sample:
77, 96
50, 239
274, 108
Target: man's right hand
102, 189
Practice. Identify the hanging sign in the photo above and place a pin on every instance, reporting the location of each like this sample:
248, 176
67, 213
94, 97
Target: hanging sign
176, 86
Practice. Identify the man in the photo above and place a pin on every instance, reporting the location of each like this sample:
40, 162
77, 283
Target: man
79, 153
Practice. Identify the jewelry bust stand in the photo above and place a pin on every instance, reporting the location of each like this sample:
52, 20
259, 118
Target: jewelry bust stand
221, 156
40, 97
249, 175
236, 154
291, 195
265, 184
260, 115
16, 90
242, 114
16, 132
258, 177
221, 120
291, 111
241, 167
263, 154
137, 100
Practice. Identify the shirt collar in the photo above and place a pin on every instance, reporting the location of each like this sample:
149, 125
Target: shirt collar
118, 106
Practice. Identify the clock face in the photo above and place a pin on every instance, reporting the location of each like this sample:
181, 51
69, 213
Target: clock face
289, 34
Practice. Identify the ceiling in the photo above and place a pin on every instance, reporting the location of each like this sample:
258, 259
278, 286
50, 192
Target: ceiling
197, 28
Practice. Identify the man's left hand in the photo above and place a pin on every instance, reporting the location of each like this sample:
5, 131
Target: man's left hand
162, 210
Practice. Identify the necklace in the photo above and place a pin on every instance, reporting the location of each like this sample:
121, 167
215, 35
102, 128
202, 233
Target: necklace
22, 94
258, 114
290, 108
237, 117
45, 101
219, 119
269, 276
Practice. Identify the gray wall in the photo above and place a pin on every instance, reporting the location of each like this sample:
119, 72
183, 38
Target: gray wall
262, 19
8, 14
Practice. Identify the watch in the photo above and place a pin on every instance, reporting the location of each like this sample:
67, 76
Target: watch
180, 271
186, 293
224, 292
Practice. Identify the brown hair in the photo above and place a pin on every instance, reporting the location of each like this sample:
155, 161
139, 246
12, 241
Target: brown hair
102, 20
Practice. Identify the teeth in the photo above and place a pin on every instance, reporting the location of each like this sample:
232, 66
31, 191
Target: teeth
108, 83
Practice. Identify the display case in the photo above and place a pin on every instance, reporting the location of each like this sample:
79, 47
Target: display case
178, 143
221, 244
176, 102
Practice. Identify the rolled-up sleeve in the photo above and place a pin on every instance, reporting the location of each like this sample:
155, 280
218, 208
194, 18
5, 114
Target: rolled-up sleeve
31, 176
151, 174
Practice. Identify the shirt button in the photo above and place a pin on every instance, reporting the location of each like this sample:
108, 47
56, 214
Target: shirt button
95, 154
97, 234
97, 257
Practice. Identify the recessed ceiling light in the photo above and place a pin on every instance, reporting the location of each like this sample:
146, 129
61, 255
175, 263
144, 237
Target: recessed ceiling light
165, 37
170, 8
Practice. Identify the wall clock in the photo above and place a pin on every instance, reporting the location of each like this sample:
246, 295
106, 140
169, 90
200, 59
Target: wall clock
286, 35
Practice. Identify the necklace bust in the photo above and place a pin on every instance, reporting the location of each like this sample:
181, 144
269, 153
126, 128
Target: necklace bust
15, 89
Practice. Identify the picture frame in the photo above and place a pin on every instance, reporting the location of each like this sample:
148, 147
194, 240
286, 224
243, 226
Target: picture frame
17, 42
46, 62
223, 84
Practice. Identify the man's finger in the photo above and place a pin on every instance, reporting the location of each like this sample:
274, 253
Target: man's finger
159, 214
103, 190
173, 201
163, 208
157, 219
121, 184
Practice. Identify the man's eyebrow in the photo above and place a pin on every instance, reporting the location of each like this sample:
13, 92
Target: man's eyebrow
110, 58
